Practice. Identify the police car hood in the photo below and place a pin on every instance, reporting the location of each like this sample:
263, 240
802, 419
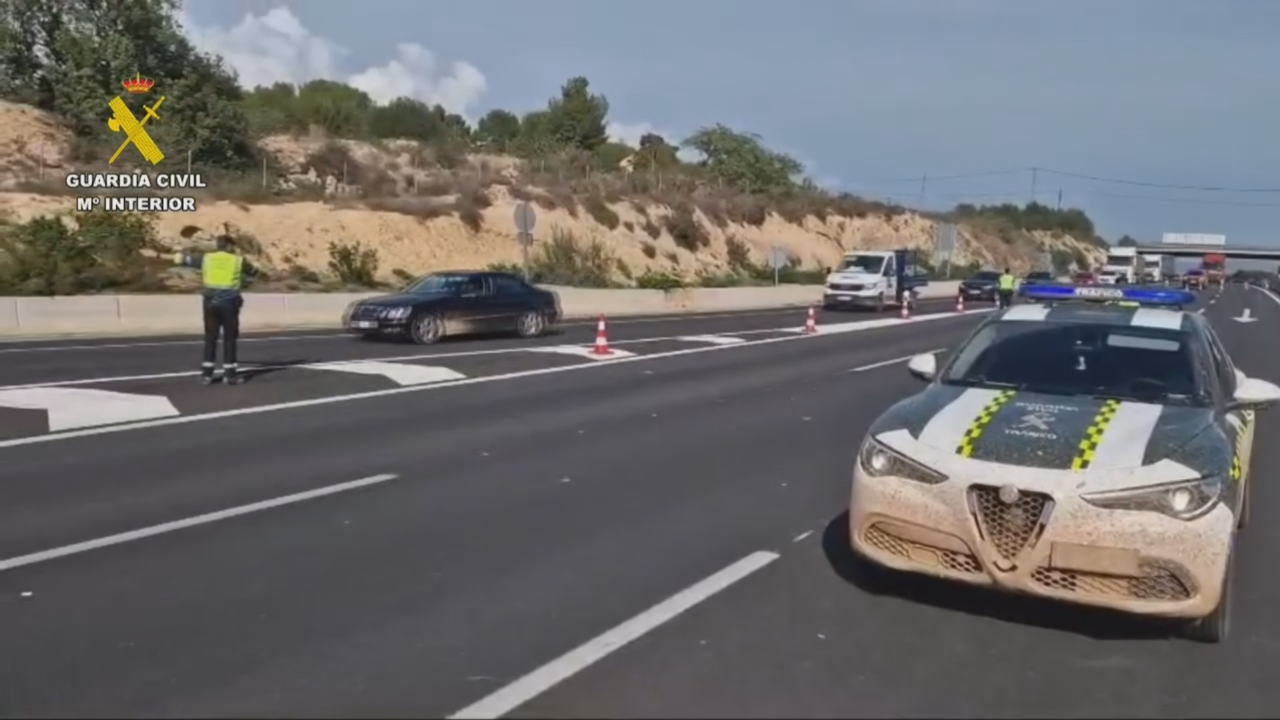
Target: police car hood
1049, 431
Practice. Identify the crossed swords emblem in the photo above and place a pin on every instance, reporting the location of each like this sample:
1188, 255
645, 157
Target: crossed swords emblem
123, 119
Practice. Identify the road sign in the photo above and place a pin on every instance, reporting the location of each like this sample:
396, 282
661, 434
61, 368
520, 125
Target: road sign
944, 240
526, 218
1193, 239
525, 238
779, 258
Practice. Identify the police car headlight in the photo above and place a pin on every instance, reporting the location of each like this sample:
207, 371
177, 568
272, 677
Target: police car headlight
1185, 500
877, 460
396, 313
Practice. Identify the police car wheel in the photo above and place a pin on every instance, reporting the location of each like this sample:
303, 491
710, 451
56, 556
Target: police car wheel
1214, 627
426, 329
530, 324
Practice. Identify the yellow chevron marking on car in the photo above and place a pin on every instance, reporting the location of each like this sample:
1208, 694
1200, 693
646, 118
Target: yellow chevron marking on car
980, 423
1244, 443
1093, 435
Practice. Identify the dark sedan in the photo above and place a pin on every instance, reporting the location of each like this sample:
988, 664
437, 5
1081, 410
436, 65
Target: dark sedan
455, 303
982, 286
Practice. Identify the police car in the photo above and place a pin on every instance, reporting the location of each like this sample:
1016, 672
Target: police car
1094, 453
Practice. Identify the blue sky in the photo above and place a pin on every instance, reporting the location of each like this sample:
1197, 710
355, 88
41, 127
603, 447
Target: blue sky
870, 94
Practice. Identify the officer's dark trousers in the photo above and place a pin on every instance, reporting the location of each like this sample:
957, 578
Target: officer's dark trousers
221, 317
1006, 298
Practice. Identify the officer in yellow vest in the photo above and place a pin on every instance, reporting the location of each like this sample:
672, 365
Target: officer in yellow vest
1005, 287
223, 273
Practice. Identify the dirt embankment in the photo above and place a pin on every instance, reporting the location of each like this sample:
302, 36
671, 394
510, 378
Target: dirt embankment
429, 218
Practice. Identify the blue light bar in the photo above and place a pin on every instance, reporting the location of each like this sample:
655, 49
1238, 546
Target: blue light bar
1162, 297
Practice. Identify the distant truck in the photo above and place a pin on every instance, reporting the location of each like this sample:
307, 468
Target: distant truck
875, 279
1169, 268
1120, 267
1153, 269
1215, 268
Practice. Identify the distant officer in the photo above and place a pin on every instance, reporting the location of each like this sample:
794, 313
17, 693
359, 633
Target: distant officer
223, 272
1007, 284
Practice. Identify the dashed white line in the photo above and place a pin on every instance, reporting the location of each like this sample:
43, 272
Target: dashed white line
802, 536
124, 537
895, 361
526, 688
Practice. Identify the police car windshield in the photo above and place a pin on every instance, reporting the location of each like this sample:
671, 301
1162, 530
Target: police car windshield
863, 263
1125, 362
440, 283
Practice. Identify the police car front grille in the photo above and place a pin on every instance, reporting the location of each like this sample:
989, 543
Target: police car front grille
1008, 527
890, 544
1155, 583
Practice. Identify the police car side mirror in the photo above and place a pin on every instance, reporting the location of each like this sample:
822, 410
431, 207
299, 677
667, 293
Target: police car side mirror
1255, 394
925, 367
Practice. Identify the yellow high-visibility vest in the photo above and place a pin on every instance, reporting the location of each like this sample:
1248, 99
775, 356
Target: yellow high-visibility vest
1007, 282
221, 270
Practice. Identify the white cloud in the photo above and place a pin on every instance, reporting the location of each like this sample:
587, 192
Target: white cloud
276, 47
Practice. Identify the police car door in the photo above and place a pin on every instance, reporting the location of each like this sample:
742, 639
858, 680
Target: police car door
1239, 422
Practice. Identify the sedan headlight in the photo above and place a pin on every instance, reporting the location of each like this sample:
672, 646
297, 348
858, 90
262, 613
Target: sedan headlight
1185, 500
351, 308
877, 460
396, 313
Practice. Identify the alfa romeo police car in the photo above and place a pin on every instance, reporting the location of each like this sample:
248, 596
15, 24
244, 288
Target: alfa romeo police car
1093, 453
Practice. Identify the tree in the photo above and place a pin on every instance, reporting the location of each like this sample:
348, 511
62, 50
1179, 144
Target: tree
577, 119
655, 154
741, 161
1126, 241
498, 129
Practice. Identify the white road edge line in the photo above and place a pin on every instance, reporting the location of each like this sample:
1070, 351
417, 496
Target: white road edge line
1266, 292
124, 537
316, 402
526, 688
895, 361
337, 333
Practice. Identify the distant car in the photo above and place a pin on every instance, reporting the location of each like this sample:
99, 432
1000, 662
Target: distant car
455, 303
982, 286
1084, 278
1038, 276
1195, 280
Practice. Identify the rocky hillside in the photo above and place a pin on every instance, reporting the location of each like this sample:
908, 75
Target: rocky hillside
418, 212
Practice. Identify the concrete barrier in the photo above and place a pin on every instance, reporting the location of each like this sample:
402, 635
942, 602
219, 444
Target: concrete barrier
180, 314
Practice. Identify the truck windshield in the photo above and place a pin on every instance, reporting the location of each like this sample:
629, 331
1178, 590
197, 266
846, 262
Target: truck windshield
863, 263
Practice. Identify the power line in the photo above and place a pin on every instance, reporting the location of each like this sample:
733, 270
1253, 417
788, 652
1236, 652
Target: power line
1165, 186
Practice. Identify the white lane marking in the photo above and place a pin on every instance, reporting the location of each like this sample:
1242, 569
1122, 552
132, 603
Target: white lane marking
712, 339
318, 402
895, 361
1267, 292
399, 373
70, 409
526, 688
146, 532
582, 351
802, 536
332, 334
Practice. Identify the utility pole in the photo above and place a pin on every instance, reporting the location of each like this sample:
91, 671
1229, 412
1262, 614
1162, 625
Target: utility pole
924, 182
1034, 172
1059, 198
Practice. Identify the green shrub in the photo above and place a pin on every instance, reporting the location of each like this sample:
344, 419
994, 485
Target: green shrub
353, 263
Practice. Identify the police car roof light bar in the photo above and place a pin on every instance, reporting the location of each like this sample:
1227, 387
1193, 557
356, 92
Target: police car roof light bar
1150, 297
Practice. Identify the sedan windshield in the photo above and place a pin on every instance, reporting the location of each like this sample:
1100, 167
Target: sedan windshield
1124, 362
439, 283
986, 275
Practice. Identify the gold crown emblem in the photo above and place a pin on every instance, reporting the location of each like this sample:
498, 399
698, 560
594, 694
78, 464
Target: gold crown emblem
138, 85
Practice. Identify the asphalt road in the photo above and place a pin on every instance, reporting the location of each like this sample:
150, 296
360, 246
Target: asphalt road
506, 522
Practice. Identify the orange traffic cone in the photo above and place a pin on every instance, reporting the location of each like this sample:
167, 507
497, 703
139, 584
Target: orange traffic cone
811, 324
602, 340
959, 303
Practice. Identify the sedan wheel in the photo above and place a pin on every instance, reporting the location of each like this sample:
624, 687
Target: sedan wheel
531, 324
426, 329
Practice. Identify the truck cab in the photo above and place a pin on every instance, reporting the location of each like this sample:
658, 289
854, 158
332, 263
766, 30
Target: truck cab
872, 278
1153, 269
1120, 267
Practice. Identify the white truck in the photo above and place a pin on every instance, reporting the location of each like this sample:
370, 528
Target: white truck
869, 278
1120, 267
1153, 269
